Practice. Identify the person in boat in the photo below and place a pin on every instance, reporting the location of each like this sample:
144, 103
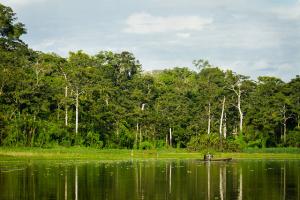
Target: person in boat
208, 157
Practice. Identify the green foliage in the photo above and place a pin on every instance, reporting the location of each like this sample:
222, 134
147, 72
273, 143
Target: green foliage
240, 141
92, 140
204, 142
118, 105
8, 27
231, 145
146, 145
159, 144
124, 137
211, 143
14, 136
278, 150
293, 138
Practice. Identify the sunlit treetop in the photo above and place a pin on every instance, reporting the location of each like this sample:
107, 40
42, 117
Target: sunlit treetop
9, 27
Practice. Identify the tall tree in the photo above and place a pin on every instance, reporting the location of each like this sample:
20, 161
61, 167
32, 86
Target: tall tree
79, 73
236, 84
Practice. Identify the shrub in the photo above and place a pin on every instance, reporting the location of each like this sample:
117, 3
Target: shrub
160, 144
92, 140
293, 138
231, 144
240, 141
146, 145
204, 141
212, 143
48, 134
123, 137
14, 136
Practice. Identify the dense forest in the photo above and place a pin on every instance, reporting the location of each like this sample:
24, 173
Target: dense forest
106, 101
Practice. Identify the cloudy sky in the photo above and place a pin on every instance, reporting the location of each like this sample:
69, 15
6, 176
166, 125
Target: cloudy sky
257, 37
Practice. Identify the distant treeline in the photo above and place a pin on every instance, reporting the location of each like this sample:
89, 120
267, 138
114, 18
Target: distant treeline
106, 100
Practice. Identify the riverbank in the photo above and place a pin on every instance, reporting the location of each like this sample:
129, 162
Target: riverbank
124, 154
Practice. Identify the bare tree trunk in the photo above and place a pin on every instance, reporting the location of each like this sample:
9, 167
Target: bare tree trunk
170, 132
66, 96
66, 106
221, 119
166, 140
225, 127
240, 110
284, 132
58, 113
285, 118
238, 93
136, 134
77, 107
209, 119
141, 137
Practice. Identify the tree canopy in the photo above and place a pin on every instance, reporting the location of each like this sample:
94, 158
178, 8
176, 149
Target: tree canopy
106, 100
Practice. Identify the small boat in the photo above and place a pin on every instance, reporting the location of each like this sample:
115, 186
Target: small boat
209, 157
219, 159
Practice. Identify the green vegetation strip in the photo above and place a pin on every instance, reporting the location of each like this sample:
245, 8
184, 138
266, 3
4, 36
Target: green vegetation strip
82, 153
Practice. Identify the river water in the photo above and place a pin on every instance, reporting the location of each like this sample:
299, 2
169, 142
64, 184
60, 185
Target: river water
152, 179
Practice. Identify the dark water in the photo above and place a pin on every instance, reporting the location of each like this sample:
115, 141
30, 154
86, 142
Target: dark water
179, 179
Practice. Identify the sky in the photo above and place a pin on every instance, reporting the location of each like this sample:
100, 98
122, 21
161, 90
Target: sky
254, 38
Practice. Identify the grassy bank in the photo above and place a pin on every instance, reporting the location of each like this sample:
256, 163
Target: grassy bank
75, 153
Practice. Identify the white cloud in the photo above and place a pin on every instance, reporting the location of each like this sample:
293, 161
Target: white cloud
288, 12
20, 3
143, 23
200, 3
183, 35
261, 35
45, 44
261, 67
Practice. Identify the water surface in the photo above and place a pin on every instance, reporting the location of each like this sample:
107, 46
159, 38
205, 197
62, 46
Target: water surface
126, 180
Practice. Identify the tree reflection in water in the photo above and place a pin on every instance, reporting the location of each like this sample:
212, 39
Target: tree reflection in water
178, 179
